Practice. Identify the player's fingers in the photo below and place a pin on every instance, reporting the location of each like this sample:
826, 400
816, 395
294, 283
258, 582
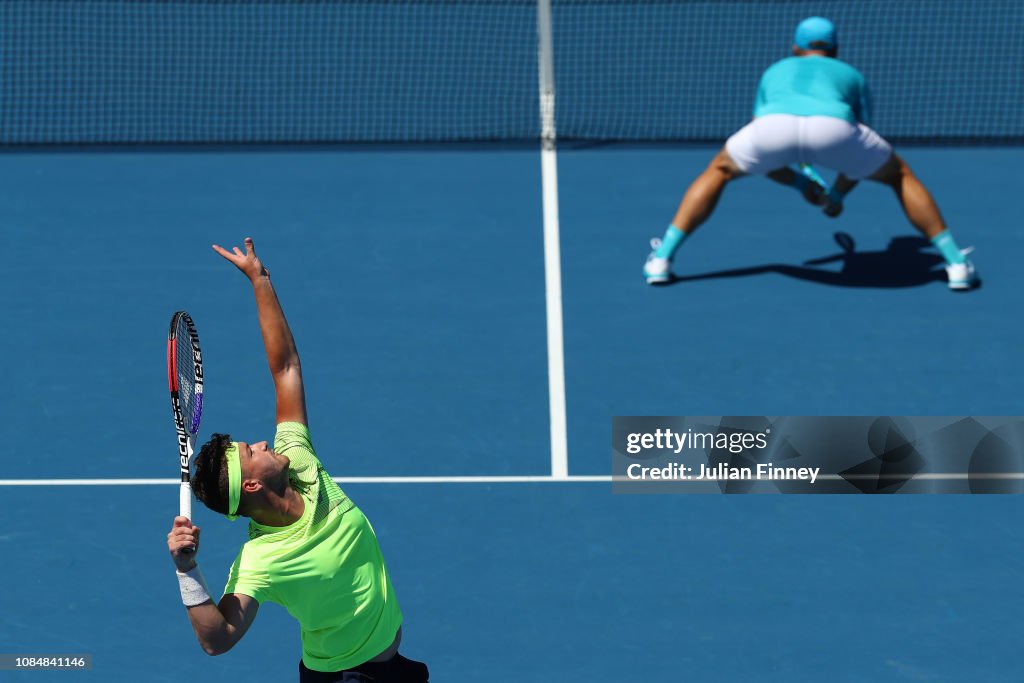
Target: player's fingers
187, 542
178, 541
180, 521
250, 248
177, 544
222, 251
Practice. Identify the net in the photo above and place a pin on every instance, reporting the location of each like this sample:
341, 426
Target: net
88, 71
937, 69
262, 71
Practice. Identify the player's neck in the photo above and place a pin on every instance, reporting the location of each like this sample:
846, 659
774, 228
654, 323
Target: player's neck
280, 510
816, 53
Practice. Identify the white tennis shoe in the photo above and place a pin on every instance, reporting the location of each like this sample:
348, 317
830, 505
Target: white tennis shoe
657, 270
962, 276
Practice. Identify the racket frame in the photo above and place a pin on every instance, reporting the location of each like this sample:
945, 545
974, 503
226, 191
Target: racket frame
186, 431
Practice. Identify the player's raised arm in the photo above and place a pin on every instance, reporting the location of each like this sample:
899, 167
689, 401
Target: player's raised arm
282, 356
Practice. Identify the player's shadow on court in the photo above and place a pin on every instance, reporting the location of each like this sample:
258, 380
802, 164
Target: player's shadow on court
904, 263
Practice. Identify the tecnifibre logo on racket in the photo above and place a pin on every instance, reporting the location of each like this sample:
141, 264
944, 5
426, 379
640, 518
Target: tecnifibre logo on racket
197, 356
179, 423
197, 369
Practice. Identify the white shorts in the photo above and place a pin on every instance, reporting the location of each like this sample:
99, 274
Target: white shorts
770, 142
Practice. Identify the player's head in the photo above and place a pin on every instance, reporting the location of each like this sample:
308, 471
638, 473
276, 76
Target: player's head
233, 477
815, 34
210, 478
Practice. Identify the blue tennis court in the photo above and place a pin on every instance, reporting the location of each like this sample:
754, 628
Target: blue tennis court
415, 281
426, 358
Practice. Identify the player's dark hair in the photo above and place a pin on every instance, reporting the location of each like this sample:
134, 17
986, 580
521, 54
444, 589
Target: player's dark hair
210, 480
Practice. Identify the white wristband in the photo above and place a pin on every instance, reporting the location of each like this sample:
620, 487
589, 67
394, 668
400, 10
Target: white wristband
193, 587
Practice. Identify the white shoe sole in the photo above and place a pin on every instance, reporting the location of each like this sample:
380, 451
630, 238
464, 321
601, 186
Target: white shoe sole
658, 279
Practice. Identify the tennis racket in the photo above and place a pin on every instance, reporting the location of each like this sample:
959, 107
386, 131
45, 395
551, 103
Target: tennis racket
832, 206
185, 376
813, 174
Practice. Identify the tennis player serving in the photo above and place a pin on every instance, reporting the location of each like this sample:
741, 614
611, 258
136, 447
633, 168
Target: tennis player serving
310, 549
813, 109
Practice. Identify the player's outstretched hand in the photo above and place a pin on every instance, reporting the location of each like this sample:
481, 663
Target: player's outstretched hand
814, 194
248, 262
183, 542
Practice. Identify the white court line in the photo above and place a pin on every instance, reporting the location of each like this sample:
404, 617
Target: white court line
553, 291
519, 479
552, 251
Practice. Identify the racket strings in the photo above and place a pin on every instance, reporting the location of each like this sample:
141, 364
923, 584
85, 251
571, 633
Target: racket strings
185, 371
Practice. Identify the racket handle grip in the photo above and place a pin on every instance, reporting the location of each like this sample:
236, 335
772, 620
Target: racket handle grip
185, 507
185, 500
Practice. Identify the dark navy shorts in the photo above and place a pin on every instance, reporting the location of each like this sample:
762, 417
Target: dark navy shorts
398, 669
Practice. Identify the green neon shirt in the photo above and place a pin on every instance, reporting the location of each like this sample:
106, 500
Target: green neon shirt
814, 86
326, 569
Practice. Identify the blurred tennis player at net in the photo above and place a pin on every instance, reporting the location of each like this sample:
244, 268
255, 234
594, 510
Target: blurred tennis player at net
811, 108
310, 548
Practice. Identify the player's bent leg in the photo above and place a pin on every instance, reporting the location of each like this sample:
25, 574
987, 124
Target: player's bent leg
696, 207
703, 194
917, 202
923, 213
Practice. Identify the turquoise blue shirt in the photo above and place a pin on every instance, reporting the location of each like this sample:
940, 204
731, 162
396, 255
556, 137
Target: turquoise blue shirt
813, 86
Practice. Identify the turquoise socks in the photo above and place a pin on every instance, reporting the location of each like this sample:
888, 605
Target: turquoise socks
947, 246
670, 242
